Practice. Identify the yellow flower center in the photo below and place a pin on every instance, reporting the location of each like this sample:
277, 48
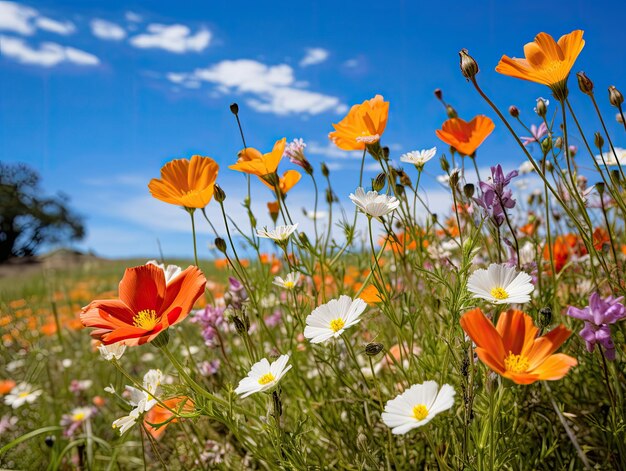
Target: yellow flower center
337, 324
24, 394
420, 412
266, 378
146, 319
289, 284
516, 363
78, 416
499, 293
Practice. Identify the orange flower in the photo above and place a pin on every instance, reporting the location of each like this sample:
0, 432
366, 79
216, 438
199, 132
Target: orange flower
187, 183
364, 124
563, 248
463, 136
6, 385
146, 305
547, 62
253, 162
513, 350
161, 415
286, 182
371, 295
600, 238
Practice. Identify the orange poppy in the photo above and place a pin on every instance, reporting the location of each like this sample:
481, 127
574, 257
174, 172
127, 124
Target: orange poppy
563, 247
159, 414
187, 183
146, 305
371, 295
463, 136
600, 238
512, 348
547, 61
6, 385
286, 182
364, 124
253, 162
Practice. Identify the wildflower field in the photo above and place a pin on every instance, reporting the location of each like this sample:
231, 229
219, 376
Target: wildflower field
386, 337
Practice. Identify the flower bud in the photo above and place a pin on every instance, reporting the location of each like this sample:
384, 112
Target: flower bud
434, 218
451, 112
49, 441
240, 325
584, 83
469, 189
598, 140
374, 348
438, 93
599, 188
469, 67
558, 142
542, 108
220, 244
218, 193
573, 150
454, 179
615, 177
445, 166
234, 108
545, 317
615, 97
325, 171
546, 145
399, 190
378, 183
386, 153
404, 178
304, 240
514, 111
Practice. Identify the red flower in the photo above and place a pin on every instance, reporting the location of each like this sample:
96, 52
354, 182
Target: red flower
146, 305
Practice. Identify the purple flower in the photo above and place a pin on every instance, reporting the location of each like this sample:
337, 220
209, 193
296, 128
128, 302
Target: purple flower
295, 152
496, 198
209, 318
537, 134
273, 319
236, 294
598, 316
209, 368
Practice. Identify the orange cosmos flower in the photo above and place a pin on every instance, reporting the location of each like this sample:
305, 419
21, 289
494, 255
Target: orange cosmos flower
364, 124
463, 136
371, 295
600, 238
6, 385
513, 350
187, 183
563, 248
146, 306
160, 414
253, 162
286, 182
547, 62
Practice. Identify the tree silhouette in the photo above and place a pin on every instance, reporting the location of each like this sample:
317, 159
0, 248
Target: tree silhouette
28, 219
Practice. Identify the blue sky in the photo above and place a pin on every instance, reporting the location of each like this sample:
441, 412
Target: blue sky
97, 95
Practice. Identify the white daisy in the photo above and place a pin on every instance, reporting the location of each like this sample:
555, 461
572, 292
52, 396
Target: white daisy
289, 282
263, 376
418, 157
373, 204
331, 319
115, 350
501, 284
170, 271
142, 401
280, 234
417, 406
21, 394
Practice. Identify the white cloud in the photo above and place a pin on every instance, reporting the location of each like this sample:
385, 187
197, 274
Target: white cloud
106, 30
330, 150
53, 26
314, 55
47, 55
351, 63
271, 88
16, 18
24, 20
173, 38
133, 17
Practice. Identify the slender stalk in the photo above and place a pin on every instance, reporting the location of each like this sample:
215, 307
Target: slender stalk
193, 234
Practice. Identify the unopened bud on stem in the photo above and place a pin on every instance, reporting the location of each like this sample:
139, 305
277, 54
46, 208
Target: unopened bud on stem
469, 67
